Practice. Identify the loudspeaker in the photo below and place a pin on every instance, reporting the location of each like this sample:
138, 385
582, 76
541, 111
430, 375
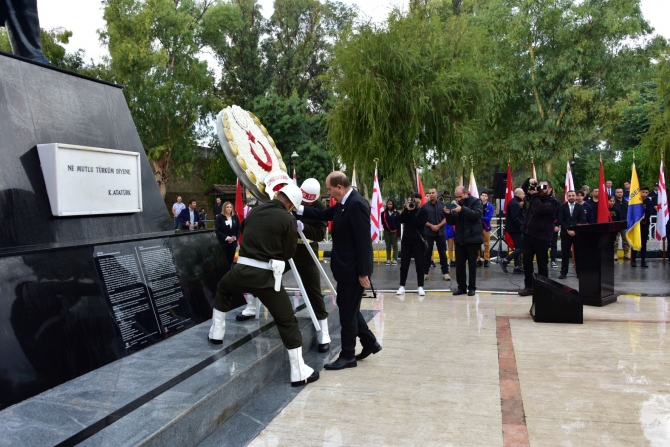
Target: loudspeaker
499, 184
554, 302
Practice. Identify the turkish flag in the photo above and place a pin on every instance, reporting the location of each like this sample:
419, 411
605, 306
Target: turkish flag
603, 205
419, 185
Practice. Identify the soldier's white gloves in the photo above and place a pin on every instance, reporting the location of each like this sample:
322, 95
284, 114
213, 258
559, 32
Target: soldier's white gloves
301, 226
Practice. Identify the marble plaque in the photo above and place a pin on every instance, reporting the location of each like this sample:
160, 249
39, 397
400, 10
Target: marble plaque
141, 284
83, 180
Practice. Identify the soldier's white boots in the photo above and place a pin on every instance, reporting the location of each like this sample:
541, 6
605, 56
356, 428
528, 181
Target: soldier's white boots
250, 310
323, 336
218, 328
301, 374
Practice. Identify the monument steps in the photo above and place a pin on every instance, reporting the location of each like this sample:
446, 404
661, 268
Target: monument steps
180, 392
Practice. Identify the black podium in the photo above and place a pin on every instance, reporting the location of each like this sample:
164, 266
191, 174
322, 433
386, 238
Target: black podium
594, 253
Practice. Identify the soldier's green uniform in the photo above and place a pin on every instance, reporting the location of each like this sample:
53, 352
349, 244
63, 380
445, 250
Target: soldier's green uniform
315, 231
269, 233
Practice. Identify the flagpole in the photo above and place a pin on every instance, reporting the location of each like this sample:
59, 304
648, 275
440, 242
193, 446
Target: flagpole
379, 236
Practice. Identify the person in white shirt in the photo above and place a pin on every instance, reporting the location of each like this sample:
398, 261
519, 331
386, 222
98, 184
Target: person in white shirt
176, 209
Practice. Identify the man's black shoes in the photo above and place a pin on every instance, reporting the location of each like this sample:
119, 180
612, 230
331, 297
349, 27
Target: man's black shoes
367, 351
323, 347
644, 265
341, 363
459, 292
503, 265
471, 292
526, 292
518, 271
486, 263
241, 317
479, 263
313, 378
452, 264
562, 276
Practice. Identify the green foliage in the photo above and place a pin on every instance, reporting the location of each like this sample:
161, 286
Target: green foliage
154, 47
4, 41
233, 31
656, 141
561, 65
299, 48
411, 91
295, 128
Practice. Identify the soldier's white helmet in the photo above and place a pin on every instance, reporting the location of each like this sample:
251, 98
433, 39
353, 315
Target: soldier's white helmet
293, 193
310, 190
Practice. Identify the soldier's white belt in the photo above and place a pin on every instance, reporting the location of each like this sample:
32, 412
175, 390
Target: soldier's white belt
275, 265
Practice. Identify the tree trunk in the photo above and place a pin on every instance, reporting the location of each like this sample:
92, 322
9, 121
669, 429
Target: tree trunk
161, 168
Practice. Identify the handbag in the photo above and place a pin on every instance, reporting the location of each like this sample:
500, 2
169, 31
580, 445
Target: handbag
423, 239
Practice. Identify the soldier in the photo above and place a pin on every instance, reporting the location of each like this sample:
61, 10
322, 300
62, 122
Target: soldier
270, 240
315, 231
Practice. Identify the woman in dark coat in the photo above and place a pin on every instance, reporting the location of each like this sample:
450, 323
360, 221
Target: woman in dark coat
227, 231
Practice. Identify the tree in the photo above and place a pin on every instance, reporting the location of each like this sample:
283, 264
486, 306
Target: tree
412, 90
300, 44
233, 31
154, 47
55, 52
655, 143
295, 128
561, 66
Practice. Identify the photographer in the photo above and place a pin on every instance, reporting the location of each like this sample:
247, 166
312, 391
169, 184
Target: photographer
466, 214
538, 229
413, 243
434, 234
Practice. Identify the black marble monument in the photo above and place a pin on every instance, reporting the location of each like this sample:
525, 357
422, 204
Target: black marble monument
79, 292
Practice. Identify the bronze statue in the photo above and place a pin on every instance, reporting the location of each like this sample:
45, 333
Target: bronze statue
23, 27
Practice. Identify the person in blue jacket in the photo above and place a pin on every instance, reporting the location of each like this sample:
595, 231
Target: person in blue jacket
483, 257
189, 218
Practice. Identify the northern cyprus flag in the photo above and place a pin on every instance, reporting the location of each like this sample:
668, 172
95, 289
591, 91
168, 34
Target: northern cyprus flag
662, 211
376, 207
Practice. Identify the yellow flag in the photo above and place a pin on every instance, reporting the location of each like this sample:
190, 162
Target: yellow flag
635, 213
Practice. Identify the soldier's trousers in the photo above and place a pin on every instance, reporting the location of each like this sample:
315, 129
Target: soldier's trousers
311, 279
277, 303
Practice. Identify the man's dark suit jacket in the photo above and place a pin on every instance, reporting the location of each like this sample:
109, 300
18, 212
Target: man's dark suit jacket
578, 217
185, 216
352, 246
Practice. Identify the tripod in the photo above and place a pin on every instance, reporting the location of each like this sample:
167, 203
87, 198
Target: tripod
500, 235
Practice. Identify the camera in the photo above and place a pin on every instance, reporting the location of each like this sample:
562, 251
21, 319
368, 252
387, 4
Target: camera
411, 204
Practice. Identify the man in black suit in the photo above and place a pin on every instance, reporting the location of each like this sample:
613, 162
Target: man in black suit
189, 217
569, 214
351, 263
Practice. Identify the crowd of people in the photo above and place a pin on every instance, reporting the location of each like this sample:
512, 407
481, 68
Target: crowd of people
461, 231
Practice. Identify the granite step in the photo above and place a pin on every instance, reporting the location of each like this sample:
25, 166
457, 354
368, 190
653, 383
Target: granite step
175, 393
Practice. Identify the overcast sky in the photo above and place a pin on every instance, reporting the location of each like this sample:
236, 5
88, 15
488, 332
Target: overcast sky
84, 18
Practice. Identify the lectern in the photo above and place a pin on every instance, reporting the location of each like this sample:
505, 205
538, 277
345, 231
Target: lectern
594, 253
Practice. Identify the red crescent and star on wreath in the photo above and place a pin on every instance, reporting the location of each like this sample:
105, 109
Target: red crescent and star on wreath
265, 165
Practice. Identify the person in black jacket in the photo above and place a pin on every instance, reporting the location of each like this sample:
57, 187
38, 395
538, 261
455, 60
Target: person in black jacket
648, 205
467, 217
514, 217
391, 223
569, 215
351, 263
227, 230
413, 244
588, 211
538, 229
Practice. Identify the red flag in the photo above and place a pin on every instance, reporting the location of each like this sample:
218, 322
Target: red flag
419, 185
330, 223
509, 195
239, 206
603, 205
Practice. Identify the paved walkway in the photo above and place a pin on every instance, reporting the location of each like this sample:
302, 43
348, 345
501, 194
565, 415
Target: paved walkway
477, 371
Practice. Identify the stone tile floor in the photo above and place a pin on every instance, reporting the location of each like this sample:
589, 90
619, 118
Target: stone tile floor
477, 371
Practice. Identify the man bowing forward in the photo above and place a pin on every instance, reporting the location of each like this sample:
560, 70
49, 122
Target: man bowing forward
351, 263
